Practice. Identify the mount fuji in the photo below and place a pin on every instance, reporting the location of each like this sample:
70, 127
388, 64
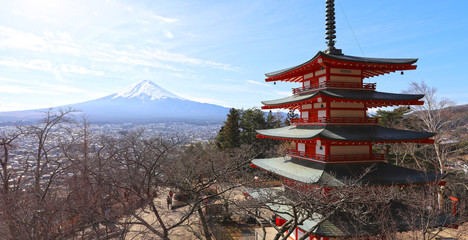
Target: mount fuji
144, 101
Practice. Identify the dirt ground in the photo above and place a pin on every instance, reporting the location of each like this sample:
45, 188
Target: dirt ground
185, 231
447, 233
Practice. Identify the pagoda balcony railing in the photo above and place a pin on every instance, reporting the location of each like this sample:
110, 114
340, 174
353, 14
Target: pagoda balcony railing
334, 120
316, 86
336, 158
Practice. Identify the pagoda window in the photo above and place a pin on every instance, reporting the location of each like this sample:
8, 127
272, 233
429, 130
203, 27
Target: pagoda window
320, 72
347, 150
301, 147
345, 71
309, 75
307, 106
306, 84
346, 105
305, 115
345, 79
319, 149
322, 80
348, 113
320, 105
321, 114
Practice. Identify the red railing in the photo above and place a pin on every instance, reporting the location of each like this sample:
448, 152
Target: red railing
322, 120
336, 158
315, 86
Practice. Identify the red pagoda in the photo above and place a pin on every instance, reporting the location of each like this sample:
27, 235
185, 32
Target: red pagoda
334, 136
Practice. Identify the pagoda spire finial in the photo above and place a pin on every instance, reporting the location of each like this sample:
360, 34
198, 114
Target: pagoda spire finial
330, 27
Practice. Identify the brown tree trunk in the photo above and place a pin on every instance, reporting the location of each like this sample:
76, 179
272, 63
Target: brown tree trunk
206, 230
5, 168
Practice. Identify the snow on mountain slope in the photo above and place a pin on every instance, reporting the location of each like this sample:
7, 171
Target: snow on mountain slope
145, 90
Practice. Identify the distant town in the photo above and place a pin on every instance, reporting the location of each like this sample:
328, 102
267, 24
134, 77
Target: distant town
186, 132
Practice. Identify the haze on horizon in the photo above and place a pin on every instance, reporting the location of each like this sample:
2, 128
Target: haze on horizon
54, 52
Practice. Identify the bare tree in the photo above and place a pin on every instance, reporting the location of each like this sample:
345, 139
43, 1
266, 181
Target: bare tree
354, 210
34, 208
209, 177
435, 116
6, 144
136, 169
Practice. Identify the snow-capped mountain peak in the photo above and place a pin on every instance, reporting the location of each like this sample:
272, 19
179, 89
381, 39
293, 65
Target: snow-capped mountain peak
145, 90
143, 102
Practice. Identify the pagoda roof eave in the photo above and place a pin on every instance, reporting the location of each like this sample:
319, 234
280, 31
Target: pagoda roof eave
351, 95
339, 175
282, 71
398, 63
348, 133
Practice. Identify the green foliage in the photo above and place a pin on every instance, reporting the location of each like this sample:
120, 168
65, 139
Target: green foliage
392, 118
252, 119
273, 120
291, 114
246, 122
229, 134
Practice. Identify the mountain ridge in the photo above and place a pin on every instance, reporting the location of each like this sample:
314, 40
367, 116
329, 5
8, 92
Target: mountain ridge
144, 101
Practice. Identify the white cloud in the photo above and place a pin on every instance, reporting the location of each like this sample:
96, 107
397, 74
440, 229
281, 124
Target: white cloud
15, 89
14, 86
79, 69
60, 42
58, 75
64, 36
209, 100
161, 18
282, 93
14, 106
11, 38
3, 80
168, 34
67, 89
258, 83
181, 58
150, 15
47, 66
35, 64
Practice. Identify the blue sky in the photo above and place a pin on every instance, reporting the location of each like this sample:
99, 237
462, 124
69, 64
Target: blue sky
57, 52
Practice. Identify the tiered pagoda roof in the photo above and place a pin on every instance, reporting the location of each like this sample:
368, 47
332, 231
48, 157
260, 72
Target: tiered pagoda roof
371, 98
371, 66
338, 175
345, 134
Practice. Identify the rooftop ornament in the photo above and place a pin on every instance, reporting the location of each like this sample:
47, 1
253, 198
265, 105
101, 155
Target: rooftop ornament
330, 34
